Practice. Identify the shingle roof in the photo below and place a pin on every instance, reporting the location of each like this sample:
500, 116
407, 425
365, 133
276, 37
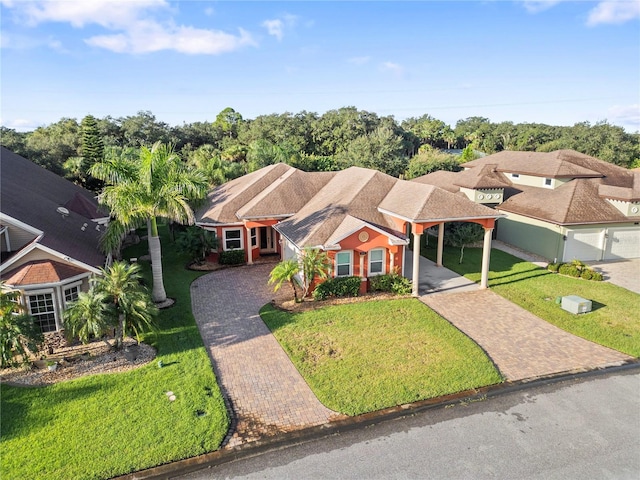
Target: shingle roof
354, 192
574, 203
557, 164
32, 195
224, 201
482, 177
625, 193
40, 271
425, 203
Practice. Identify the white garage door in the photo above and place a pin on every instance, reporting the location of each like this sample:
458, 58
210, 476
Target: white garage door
585, 245
623, 243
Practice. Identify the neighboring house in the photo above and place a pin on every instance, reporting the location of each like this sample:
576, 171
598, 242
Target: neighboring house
359, 217
49, 232
562, 205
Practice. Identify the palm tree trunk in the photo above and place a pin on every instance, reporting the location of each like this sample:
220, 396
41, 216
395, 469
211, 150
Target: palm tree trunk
120, 332
158, 293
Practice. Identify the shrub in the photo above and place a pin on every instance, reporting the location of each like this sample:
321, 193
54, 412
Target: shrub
391, 282
596, 276
232, 257
587, 274
553, 267
337, 287
569, 270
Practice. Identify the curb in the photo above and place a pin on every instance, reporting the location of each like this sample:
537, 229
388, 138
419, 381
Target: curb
219, 457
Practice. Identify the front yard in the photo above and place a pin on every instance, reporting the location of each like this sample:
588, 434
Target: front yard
614, 321
367, 356
107, 425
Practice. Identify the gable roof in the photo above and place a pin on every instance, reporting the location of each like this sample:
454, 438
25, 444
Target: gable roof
41, 271
629, 193
32, 195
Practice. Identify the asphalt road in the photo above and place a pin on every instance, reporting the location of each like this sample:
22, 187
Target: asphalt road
587, 429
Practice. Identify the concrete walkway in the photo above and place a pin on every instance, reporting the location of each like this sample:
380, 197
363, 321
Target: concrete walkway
520, 344
436, 279
262, 386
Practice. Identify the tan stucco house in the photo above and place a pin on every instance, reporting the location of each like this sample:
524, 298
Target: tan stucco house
562, 205
49, 234
361, 218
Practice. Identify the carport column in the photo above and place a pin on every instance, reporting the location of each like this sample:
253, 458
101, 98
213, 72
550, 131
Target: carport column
486, 253
249, 249
440, 244
416, 264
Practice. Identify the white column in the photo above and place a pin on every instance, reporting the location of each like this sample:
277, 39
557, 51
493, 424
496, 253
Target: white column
440, 244
361, 265
249, 247
416, 264
486, 254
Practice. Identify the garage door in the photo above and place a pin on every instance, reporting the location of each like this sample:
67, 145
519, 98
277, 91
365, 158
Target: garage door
585, 245
622, 243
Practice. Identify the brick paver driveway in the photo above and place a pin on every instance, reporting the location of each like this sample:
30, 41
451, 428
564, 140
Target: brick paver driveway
521, 345
264, 389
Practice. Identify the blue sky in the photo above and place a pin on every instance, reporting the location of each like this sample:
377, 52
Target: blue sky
550, 61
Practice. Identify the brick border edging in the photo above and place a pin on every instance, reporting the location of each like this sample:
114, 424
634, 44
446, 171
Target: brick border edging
221, 456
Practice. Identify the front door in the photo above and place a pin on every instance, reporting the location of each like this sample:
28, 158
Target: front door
267, 240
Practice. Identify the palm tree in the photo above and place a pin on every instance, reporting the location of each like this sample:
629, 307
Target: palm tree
19, 335
89, 316
135, 310
315, 263
154, 184
285, 271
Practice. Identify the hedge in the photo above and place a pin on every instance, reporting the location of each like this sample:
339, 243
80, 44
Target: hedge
391, 282
232, 257
337, 287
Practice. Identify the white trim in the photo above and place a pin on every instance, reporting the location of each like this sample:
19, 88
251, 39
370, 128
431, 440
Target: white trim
217, 225
383, 260
19, 254
224, 238
19, 224
50, 291
335, 262
399, 241
77, 278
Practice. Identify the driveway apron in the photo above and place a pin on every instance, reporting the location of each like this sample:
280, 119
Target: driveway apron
264, 389
520, 344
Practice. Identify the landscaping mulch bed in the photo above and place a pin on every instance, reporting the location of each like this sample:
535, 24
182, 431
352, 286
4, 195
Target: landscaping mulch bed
78, 361
309, 304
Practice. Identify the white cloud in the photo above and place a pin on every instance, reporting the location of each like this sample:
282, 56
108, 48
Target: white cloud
277, 26
614, 11
535, 6
274, 27
209, 11
605, 12
629, 116
132, 28
394, 68
359, 60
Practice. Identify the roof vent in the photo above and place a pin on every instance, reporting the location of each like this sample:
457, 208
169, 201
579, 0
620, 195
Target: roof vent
62, 211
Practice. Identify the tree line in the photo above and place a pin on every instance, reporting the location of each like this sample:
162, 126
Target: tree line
231, 145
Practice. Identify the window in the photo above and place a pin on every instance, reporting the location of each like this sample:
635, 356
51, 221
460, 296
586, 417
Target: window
376, 262
547, 182
232, 239
42, 310
71, 294
343, 264
254, 237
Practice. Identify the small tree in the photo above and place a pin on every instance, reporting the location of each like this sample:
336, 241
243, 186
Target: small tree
131, 301
463, 234
196, 242
19, 335
315, 263
89, 316
285, 271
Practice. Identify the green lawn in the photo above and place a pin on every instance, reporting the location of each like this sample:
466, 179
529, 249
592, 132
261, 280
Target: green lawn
367, 356
107, 425
614, 321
